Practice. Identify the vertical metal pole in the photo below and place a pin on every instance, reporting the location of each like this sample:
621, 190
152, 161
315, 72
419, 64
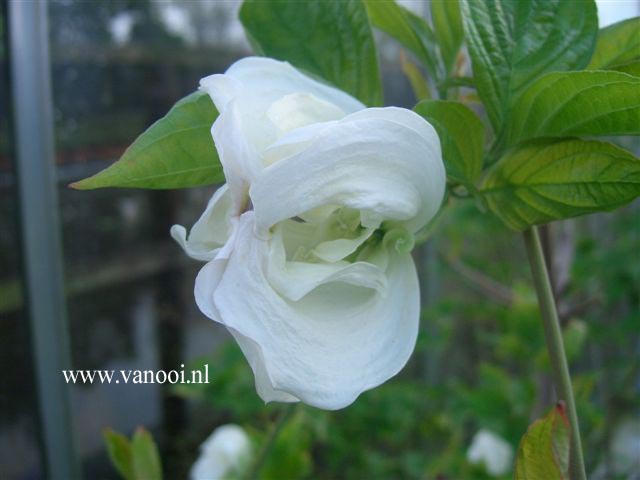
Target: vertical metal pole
40, 228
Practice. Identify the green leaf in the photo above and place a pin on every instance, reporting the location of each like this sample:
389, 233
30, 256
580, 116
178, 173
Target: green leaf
461, 134
617, 44
330, 39
175, 152
544, 450
419, 84
119, 451
146, 460
577, 103
631, 68
540, 182
407, 28
447, 26
511, 43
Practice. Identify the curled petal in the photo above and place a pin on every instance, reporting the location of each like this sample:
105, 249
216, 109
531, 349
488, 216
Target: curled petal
385, 162
259, 99
211, 231
262, 81
344, 336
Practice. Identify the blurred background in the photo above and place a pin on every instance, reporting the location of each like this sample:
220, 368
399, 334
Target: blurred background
480, 364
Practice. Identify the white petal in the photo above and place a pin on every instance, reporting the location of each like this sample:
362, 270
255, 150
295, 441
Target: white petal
385, 162
331, 345
211, 231
295, 279
265, 80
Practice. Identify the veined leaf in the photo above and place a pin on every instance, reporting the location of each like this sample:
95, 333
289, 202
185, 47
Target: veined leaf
175, 152
617, 44
544, 181
511, 43
330, 39
119, 450
447, 26
406, 27
146, 459
577, 103
544, 450
461, 134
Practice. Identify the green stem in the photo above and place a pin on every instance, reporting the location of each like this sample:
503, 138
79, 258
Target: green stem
555, 346
276, 427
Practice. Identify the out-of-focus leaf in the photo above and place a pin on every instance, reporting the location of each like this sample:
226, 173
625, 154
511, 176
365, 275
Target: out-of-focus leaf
119, 451
447, 26
418, 83
617, 44
330, 39
544, 450
461, 134
545, 181
406, 27
146, 459
577, 103
175, 152
512, 43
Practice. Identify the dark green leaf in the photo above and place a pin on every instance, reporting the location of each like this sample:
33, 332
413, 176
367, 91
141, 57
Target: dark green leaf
617, 44
175, 152
119, 451
544, 450
330, 39
406, 27
540, 182
447, 26
146, 460
461, 134
631, 68
511, 43
577, 103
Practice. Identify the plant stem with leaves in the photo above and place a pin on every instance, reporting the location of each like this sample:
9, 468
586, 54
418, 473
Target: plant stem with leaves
555, 347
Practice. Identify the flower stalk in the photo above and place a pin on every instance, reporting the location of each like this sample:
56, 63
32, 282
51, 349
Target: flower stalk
253, 471
555, 347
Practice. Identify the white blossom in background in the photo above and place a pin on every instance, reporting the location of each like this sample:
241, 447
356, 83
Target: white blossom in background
308, 243
225, 452
491, 451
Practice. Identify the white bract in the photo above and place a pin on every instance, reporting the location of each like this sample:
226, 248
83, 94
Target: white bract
491, 451
308, 243
223, 454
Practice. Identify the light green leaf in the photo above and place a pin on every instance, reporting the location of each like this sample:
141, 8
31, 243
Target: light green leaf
461, 134
419, 84
540, 182
406, 27
119, 451
590, 102
146, 459
447, 26
330, 39
617, 44
511, 43
175, 152
544, 450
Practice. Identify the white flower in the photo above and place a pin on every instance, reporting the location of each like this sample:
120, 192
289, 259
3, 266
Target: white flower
308, 242
491, 451
226, 451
